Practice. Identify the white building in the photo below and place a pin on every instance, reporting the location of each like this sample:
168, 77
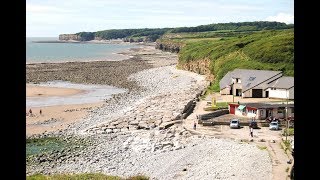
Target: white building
282, 88
249, 83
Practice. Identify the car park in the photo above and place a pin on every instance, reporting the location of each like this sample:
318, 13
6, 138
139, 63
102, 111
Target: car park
274, 125
234, 123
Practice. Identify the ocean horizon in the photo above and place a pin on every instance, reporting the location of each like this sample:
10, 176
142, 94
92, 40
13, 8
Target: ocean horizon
66, 52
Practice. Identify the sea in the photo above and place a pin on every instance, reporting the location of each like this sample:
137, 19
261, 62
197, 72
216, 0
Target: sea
65, 52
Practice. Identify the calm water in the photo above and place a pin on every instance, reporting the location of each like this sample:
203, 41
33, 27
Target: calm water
62, 52
93, 94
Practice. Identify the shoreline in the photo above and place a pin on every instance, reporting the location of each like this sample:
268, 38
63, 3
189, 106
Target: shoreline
33, 90
38, 73
114, 41
126, 55
56, 118
125, 136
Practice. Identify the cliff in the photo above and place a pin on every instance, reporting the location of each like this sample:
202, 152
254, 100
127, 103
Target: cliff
169, 46
67, 37
200, 66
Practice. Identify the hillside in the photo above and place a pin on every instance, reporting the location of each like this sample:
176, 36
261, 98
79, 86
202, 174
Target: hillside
216, 53
152, 34
215, 49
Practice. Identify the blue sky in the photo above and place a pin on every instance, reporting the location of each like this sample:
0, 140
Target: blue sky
51, 18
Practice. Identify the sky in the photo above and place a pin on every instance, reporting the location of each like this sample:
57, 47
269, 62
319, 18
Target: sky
49, 18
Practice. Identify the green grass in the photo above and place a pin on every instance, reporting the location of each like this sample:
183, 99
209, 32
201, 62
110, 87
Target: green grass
219, 105
290, 132
261, 50
84, 176
286, 144
222, 104
262, 147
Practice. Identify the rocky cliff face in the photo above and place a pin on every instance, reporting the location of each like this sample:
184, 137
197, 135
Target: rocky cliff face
168, 46
200, 66
67, 37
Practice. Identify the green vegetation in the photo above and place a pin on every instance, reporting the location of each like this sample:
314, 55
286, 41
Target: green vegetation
219, 105
241, 26
286, 144
262, 147
86, 36
287, 169
202, 31
257, 45
290, 131
150, 34
45, 145
263, 50
222, 104
85, 176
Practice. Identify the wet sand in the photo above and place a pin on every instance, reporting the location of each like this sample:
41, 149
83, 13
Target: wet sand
54, 118
114, 73
41, 91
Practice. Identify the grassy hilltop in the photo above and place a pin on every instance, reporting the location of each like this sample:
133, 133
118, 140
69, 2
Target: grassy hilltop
217, 52
215, 49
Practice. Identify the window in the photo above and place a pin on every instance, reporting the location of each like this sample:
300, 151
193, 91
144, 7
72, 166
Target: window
281, 110
251, 78
261, 112
292, 110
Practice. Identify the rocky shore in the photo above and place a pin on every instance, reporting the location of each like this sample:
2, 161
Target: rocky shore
126, 136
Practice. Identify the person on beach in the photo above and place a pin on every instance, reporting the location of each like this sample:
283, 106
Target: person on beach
30, 112
40, 112
194, 125
251, 131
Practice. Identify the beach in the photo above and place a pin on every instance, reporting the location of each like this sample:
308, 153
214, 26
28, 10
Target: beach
113, 73
130, 133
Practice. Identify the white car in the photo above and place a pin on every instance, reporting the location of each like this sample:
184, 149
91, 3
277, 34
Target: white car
235, 123
274, 125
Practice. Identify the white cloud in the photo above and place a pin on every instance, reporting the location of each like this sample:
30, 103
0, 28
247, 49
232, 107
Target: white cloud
31, 8
282, 17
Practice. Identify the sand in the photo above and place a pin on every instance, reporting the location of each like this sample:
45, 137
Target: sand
41, 91
54, 118
114, 73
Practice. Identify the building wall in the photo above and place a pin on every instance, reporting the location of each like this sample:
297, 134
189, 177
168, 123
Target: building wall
278, 115
278, 93
290, 113
252, 114
236, 86
241, 113
291, 93
261, 114
225, 91
247, 94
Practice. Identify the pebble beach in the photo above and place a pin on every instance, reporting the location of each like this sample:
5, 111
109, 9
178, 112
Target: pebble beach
125, 136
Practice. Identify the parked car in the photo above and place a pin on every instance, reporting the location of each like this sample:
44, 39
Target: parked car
274, 125
235, 123
253, 124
